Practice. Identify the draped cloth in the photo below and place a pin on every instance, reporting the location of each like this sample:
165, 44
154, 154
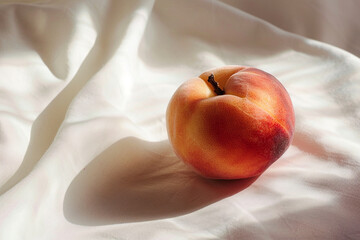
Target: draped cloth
84, 87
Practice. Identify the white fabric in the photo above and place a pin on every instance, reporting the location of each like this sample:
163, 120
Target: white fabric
84, 154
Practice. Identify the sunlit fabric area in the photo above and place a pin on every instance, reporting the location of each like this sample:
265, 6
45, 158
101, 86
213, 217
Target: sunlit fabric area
84, 145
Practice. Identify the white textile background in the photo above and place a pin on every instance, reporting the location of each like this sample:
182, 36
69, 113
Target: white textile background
84, 86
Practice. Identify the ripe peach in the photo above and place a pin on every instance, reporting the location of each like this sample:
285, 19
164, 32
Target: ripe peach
231, 122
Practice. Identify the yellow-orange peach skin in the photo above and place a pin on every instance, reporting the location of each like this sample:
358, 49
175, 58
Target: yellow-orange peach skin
235, 135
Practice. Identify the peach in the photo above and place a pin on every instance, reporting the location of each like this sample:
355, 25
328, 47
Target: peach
231, 122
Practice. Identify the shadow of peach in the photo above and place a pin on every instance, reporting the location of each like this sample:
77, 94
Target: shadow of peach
134, 180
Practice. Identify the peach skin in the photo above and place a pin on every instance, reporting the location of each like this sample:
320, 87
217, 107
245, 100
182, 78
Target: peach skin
231, 122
